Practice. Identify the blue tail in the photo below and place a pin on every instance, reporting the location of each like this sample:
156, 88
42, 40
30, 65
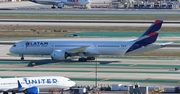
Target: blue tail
148, 37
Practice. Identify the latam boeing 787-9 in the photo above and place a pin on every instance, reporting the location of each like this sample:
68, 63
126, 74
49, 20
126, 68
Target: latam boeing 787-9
60, 49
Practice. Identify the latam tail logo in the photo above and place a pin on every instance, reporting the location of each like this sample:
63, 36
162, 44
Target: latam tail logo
148, 37
27, 44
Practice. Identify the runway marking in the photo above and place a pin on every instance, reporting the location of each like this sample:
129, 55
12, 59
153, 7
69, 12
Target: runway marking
9, 70
105, 79
91, 72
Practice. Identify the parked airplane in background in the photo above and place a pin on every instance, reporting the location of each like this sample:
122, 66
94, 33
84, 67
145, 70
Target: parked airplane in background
31, 85
61, 3
60, 49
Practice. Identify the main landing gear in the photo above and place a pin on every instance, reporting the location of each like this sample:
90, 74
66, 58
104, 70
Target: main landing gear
82, 59
90, 58
5, 92
85, 59
13, 92
62, 91
53, 7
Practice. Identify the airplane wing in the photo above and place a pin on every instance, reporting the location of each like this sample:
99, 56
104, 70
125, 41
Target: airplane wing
53, 2
77, 50
166, 44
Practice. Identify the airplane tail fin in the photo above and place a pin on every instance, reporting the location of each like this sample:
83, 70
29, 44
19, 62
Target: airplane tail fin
152, 32
148, 37
19, 86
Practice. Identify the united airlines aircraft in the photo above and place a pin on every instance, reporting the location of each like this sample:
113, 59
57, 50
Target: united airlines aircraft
61, 3
61, 49
31, 85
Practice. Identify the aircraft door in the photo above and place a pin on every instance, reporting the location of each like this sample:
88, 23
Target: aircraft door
23, 46
51, 46
95, 46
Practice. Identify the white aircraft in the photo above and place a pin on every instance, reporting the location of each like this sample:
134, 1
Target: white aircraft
61, 3
31, 85
60, 49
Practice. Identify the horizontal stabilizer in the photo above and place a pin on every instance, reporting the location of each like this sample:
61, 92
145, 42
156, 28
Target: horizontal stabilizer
165, 44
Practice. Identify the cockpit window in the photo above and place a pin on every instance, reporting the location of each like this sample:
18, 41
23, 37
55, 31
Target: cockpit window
14, 45
68, 79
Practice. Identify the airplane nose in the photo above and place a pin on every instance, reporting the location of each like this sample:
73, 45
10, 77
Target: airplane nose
73, 83
12, 50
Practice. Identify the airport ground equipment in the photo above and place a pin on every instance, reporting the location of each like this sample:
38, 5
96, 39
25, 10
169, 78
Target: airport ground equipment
177, 89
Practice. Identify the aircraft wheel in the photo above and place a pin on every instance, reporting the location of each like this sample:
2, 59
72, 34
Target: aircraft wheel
52, 58
62, 91
13, 92
82, 60
90, 58
22, 58
5, 92
53, 7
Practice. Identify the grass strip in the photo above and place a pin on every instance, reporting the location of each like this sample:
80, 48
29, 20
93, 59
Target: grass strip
69, 16
13, 32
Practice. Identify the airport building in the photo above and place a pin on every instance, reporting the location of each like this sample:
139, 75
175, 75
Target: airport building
134, 4
147, 4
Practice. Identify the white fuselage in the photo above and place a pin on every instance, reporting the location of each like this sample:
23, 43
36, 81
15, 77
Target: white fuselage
60, 49
96, 47
41, 82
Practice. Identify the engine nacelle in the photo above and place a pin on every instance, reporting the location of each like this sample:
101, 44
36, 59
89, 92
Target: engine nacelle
60, 5
59, 55
32, 90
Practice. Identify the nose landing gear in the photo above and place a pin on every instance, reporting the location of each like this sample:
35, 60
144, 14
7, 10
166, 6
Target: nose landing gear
22, 57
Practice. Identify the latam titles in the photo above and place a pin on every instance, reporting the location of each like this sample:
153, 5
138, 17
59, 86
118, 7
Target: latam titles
36, 43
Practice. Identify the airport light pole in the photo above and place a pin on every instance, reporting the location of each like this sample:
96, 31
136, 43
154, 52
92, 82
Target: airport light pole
96, 73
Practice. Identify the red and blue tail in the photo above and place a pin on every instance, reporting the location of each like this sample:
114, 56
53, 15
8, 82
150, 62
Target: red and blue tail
148, 37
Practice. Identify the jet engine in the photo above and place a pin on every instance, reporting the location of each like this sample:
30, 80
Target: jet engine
60, 5
59, 55
32, 90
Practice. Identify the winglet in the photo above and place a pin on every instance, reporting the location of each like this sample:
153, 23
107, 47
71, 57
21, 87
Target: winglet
19, 86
